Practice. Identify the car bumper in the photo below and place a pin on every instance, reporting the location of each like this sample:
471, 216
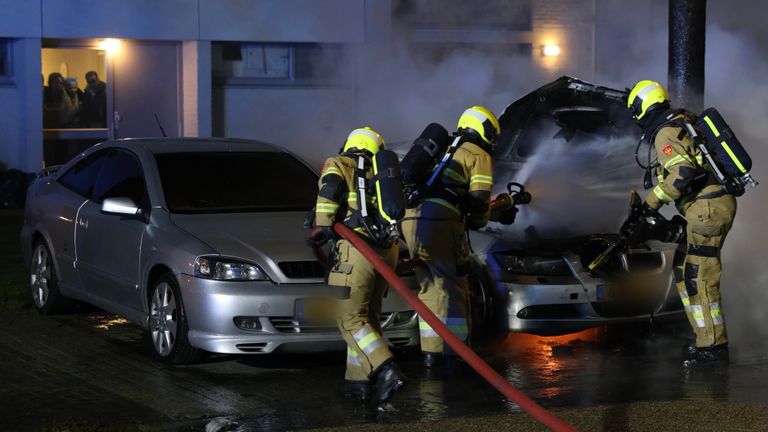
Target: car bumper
213, 306
560, 309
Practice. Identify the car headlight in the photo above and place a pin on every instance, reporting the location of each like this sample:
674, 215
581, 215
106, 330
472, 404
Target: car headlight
534, 265
223, 268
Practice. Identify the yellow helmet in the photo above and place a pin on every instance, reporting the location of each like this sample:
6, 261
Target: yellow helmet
481, 121
645, 96
364, 138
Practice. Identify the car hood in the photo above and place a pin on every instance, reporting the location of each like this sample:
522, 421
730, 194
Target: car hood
577, 107
271, 240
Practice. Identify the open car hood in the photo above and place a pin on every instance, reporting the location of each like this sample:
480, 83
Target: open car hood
577, 108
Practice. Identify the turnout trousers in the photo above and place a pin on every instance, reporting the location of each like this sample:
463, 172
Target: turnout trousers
444, 287
698, 267
359, 316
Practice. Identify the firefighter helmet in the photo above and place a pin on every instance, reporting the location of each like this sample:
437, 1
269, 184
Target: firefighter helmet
479, 121
646, 96
363, 139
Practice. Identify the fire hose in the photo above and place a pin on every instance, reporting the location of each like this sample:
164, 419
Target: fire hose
479, 365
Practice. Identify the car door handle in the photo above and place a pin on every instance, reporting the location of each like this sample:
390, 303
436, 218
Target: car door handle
83, 223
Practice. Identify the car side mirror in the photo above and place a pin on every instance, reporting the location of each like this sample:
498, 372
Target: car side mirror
121, 205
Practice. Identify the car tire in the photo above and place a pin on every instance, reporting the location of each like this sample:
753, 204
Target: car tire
44, 282
168, 327
482, 304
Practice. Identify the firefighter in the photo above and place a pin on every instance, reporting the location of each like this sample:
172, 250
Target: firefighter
685, 178
358, 317
435, 230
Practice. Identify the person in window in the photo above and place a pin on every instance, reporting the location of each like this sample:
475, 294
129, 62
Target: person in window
94, 111
76, 96
58, 109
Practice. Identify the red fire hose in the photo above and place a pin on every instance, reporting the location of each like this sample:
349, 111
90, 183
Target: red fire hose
535, 410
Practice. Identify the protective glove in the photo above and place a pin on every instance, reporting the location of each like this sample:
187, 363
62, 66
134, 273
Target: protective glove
319, 237
675, 230
508, 216
641, 223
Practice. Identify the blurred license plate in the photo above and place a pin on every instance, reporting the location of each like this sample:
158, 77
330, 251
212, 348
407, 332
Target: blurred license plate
316, 311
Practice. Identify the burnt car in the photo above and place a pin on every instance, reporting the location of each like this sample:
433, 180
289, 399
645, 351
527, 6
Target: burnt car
572, 145
199, 241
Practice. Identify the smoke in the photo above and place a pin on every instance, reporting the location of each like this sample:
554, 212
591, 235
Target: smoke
576, 188
736, 66
409, 88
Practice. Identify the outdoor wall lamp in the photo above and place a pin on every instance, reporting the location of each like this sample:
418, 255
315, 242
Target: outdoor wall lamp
111, 46
550, 50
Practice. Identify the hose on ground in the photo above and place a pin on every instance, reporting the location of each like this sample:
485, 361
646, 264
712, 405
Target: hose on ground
481, 367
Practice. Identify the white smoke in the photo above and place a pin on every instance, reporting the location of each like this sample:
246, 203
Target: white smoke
736, 85
404, 91
576, 189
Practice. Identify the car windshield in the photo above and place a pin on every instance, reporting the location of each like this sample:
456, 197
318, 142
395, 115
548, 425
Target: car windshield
234, 182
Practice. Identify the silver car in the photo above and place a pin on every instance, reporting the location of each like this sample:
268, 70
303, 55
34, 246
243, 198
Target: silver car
199, 241
544, 287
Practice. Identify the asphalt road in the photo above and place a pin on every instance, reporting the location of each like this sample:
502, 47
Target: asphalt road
89, 371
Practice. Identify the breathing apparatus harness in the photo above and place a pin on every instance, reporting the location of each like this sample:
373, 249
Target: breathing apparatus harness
726, 159
416, 193
386, 185
662, 119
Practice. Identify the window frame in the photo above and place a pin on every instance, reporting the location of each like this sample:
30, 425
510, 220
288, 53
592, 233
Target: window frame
298, 54
6, 60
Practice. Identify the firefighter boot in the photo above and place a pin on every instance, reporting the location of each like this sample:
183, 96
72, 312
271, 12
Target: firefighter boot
389, 379
717, 353
357, 389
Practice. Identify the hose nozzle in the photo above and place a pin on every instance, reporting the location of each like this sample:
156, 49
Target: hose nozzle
519, 196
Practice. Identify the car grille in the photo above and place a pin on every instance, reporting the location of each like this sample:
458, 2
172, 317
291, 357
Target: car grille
291, 325
252, 347
302, 269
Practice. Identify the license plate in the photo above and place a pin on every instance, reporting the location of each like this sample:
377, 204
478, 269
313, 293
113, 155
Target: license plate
316, 311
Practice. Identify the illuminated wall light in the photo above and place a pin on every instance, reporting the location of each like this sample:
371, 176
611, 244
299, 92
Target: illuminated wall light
550, 50
111, 46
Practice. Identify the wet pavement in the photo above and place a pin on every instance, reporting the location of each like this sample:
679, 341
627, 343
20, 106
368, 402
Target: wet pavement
92, 371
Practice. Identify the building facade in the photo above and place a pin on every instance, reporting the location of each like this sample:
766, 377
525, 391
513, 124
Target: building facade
299, 73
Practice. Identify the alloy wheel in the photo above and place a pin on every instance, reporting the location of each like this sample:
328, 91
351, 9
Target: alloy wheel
163, 319
40, 274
